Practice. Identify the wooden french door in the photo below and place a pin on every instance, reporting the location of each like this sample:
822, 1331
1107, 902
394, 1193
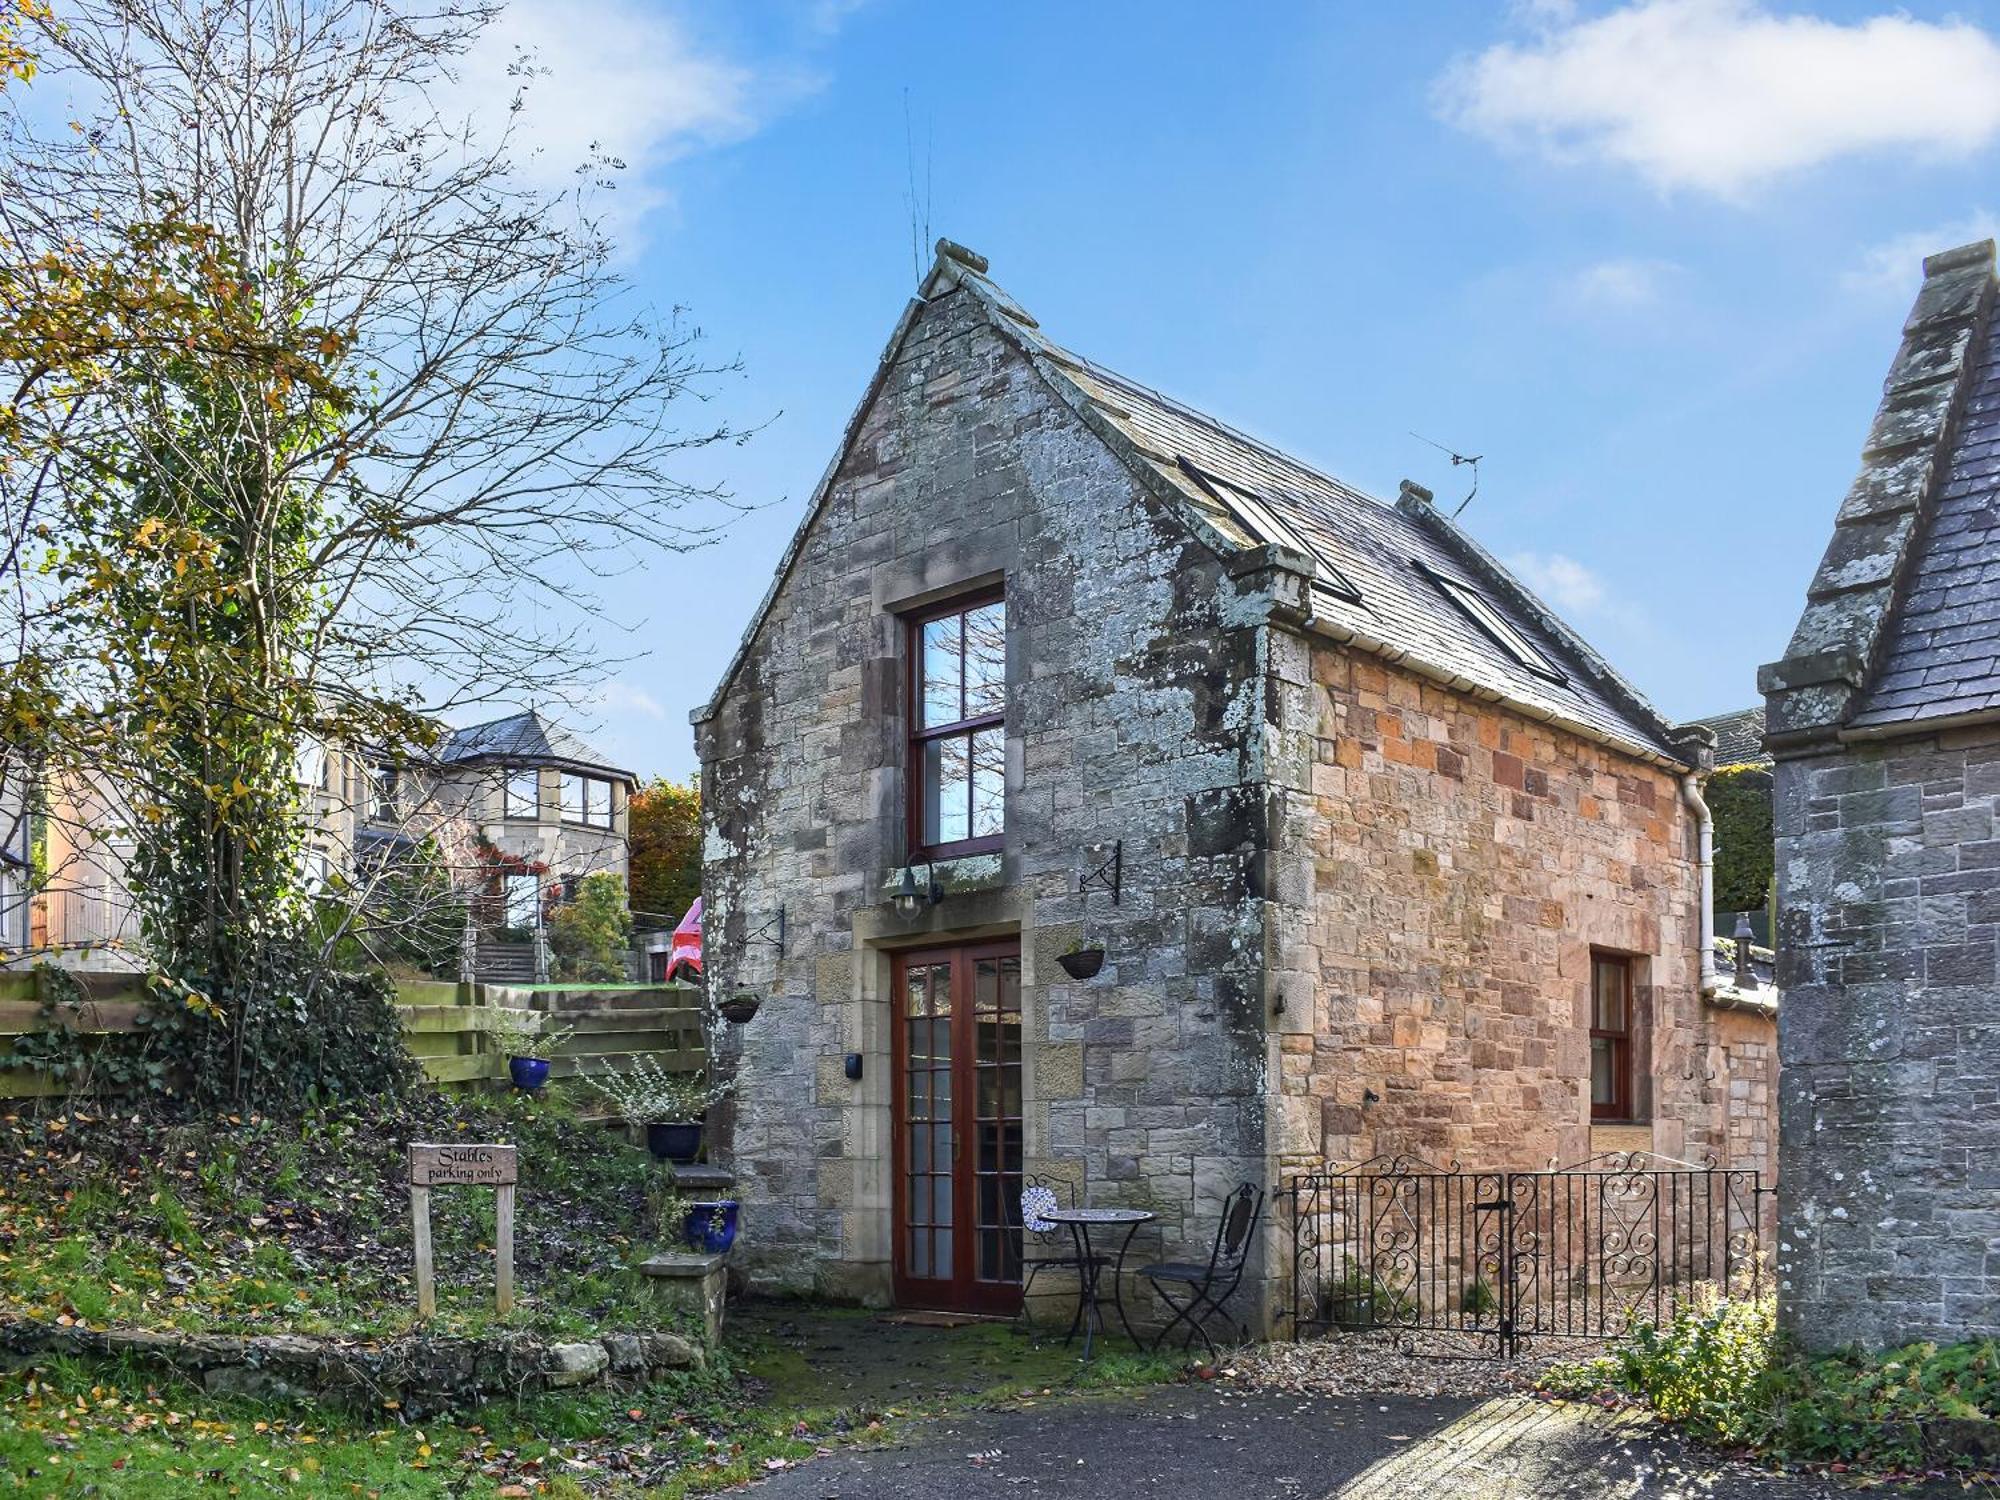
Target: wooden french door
958, 1127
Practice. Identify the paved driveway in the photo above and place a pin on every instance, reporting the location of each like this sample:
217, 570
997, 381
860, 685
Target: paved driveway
1209, 1443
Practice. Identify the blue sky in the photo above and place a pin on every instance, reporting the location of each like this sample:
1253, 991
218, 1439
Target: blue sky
1650, 259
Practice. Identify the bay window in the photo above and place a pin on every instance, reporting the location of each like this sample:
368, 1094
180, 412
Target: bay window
524, 794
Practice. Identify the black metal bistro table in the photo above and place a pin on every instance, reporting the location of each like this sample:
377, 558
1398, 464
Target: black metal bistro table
1089, 1307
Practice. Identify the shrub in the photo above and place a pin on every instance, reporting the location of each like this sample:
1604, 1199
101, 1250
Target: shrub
589, 935
1719, 1369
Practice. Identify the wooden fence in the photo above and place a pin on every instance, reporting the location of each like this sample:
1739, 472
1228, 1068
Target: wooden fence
448, 1026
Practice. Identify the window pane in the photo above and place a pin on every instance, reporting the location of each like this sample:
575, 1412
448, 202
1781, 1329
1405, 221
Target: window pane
572, 797
985, 660
1603, 1071
1608, 1011
989, 782
947, 787
524, 794
597, 801
942, 683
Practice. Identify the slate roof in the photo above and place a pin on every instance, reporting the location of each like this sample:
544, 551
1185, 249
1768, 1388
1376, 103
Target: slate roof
1901, 629
1942, 656
1391, 555
1739, 737
524, 737
1377, 565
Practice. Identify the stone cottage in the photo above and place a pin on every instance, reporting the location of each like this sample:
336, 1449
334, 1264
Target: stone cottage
1380, 855
1884, 718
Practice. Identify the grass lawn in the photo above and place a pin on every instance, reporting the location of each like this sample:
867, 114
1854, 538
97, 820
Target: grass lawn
248, 1225
794, 1380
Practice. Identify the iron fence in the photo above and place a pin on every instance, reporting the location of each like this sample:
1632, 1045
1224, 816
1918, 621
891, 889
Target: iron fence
1566, 1252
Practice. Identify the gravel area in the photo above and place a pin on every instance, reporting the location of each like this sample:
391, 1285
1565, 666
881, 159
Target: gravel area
1384, 1363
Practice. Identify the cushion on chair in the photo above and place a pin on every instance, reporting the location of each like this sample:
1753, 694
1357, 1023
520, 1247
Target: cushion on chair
1035, 1202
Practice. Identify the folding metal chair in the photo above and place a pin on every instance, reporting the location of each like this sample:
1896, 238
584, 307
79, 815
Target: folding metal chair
1045, 1246
1206, 1287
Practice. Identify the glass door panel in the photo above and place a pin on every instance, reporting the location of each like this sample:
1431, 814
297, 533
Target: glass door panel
958, 1128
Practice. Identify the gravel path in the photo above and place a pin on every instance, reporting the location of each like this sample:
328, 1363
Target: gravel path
1219, 1442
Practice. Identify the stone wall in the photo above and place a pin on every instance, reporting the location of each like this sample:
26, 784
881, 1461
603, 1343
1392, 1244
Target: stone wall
1460, 862
1135, 709
1889, 902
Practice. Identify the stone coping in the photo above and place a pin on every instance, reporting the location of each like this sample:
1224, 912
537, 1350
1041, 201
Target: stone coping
417, 1370
703, 1177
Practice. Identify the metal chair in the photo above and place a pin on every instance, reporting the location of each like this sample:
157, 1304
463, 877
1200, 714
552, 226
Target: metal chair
1207, 1286
1045, 1246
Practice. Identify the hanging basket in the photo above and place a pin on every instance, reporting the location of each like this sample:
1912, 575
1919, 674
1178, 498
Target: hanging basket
738, 1009
1083, 963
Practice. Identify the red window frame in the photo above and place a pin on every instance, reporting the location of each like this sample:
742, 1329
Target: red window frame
1618, 1038
922, 735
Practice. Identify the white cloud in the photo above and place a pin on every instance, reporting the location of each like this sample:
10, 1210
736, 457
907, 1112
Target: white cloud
608, 78
1896, 265
1621, 284
1562, 581
619, 697
1721, 96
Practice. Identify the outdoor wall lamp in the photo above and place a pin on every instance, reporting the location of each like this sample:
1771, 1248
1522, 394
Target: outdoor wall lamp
910, 898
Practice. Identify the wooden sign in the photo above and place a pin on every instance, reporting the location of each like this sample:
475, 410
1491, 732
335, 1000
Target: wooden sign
463, 1164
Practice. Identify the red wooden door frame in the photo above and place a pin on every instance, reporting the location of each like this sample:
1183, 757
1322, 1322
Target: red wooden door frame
962, 1288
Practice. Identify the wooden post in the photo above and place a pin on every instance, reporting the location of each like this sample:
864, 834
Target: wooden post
420, 1229
503, 1245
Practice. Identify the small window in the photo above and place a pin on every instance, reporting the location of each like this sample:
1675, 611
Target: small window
312, 764
572, 797
958, 745
1479, 609
1611, 1095
524, 794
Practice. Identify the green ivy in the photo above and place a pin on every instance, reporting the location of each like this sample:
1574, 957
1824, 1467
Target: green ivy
1740, 801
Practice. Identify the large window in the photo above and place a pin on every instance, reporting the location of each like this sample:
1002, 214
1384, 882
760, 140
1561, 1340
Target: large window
1611, 1027
586, 799
524, 794
958, 755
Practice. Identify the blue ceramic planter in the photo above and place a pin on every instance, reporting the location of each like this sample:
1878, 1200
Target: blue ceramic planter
703, 1232
674, 1140
529, 1073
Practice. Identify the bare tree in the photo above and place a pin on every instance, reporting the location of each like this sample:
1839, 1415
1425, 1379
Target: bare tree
361, 415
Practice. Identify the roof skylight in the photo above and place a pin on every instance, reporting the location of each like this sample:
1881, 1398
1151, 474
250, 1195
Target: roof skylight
1266, 522
1479, 609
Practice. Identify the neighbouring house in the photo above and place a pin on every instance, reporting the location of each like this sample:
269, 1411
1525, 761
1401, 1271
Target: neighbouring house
1884, 719
522, 809
1380, 856
17, 864
1739, 739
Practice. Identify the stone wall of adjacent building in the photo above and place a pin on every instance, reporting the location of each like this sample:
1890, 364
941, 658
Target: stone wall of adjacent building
1135, 717
1889, 903
1459, 863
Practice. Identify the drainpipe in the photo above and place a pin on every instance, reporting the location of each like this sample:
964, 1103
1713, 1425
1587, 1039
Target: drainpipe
1705, 845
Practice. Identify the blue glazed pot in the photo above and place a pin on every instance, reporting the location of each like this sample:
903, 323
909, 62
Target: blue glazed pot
701, 1230
529, 1073
674, 1140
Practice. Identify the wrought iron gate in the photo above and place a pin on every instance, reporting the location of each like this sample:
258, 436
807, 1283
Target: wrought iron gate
1569, 1252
